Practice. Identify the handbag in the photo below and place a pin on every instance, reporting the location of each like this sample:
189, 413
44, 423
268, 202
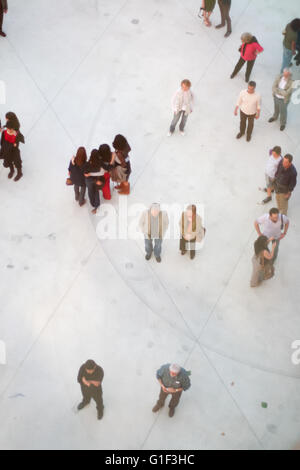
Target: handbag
118, 174
69, 182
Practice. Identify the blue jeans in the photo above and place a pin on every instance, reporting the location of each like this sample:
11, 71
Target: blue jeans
93, 192
287, 58
157, 247
176, 119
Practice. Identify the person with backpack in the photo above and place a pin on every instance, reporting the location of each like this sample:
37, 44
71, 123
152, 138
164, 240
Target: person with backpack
249, 50
262, 261
273, 226
173, 380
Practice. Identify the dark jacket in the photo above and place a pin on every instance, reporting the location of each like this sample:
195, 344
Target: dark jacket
181, 380
285, 180
76, 174
4, 4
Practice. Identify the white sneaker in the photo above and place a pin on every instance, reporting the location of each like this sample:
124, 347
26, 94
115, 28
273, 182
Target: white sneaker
182, 133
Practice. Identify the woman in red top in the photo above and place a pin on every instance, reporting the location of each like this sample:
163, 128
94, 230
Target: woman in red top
10, 151
249, 50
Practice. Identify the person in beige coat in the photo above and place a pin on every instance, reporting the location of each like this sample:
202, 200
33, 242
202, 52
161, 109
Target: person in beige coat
191, 231
154, 224
282, 92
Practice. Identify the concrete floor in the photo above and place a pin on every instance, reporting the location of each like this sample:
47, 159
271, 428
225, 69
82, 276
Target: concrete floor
78, 73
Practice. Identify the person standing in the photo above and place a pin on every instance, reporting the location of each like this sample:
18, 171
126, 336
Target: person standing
10, 152
3, 10
182, 105
90, 378
76, 173
173, 380
225, 6
191, 231
274, 225
282, 92
121, 159
94, 173
262, 261
272, 165
154, 224
208, 8
249, 50
249, 103
285, 183
289, 43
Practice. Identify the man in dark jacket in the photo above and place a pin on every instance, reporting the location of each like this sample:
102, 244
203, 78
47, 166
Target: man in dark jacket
225, 6
173, 380
285, 183
3, 9
90, 378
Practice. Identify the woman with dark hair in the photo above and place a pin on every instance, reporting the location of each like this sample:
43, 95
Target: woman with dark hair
289, 43
191, 231
76, 172
249, 50
121, 164
10, 152
106, 157
94, 177
262, 261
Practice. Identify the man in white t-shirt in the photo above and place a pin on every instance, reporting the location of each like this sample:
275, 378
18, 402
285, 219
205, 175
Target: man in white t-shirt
274, 226
282, 92
271, 168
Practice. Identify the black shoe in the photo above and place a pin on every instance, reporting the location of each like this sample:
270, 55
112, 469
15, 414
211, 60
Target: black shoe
268, 199
99, 414
171, 412
11, 174
239, 135
219, 26
248, 138
18, 177
282, 128
232, 75
158, 259
193, 254
2, 34
183, 252
82, 405
227, 34
272, 119
156, 408
148, 257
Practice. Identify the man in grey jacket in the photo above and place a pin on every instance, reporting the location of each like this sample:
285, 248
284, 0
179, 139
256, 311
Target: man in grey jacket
3, 9
282, 92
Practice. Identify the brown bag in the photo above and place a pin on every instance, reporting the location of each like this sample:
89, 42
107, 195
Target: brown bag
69, 182
118, 174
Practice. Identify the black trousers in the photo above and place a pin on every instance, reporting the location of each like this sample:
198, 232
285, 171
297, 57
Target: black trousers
1, 16
174, 400
240, 64
94, 393
244, 118
184, 245
225, 14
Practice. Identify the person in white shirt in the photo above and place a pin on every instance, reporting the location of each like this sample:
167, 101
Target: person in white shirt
182, 105
249, 103
275, 226
282, 92
271, 168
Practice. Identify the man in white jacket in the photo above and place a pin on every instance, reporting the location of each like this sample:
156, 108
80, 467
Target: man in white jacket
182, 106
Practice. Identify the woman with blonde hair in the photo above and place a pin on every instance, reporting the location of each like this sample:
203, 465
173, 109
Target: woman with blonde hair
249, 50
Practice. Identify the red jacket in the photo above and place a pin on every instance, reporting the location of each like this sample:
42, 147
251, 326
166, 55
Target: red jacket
248, 51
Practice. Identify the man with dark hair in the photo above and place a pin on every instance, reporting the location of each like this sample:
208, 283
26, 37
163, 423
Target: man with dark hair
289, 43
249, 103
90, 378
173, 380
275, 226
225, 6
3, 9
285, 183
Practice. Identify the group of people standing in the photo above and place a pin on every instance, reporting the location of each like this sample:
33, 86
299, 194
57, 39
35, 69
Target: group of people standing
95, 174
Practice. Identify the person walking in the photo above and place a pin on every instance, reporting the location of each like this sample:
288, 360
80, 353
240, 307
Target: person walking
173, 380
76, 173
3, 10
249, 102
182, 105
272, 165
191, 231
285, 183
249, 50
90, 378
282, 92
262, 261
154, 224
225, 6
10, 152
289, 43
274, 226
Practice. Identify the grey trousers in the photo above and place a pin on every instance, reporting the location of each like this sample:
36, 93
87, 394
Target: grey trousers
176, 119
280, 109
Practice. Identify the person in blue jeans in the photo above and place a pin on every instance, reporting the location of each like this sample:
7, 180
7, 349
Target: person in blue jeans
154, 224
289, 43
297, 57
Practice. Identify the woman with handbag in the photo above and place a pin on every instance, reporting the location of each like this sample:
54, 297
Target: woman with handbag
263, 268
249, 50
121, 164
76, 175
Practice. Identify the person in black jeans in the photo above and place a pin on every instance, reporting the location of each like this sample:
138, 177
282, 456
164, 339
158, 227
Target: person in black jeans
94, 174
3, 9
225, 6
76, 172
90, 378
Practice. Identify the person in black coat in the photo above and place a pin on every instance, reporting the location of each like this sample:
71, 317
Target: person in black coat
90, 378
76, 173
94, 177
3, 9
10, 152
